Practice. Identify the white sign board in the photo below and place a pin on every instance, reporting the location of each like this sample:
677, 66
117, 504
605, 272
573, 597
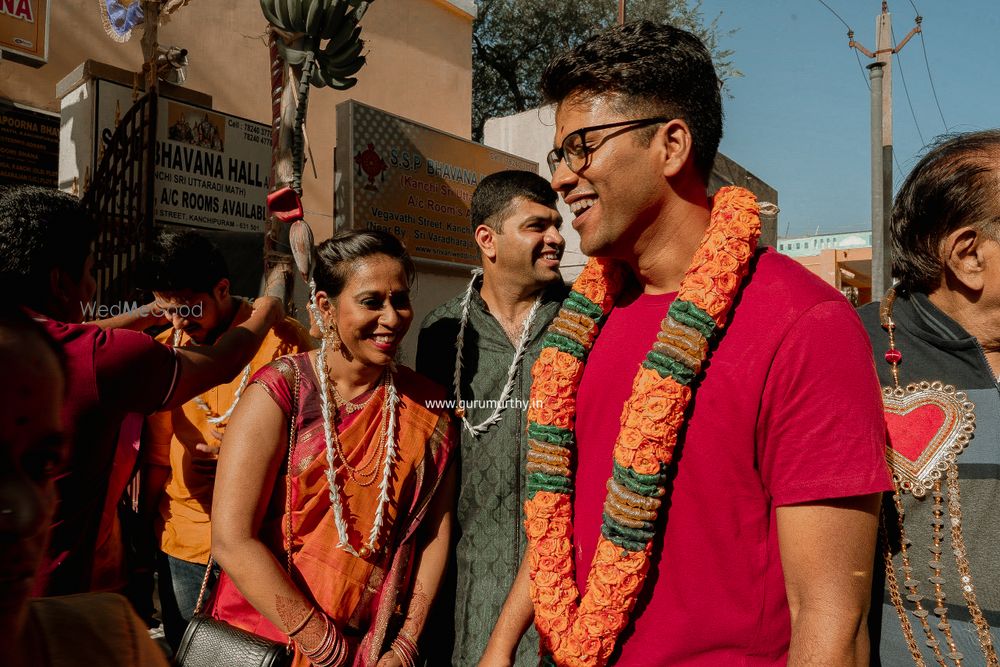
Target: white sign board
211, 169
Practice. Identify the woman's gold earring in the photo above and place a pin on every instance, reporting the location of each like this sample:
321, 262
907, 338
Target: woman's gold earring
333, 336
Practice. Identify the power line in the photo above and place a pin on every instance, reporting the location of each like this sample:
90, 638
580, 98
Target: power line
899, 64
868, 85
835, 14
923, 46
850, 32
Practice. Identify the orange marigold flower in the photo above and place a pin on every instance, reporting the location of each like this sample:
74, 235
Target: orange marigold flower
548, 563
605, 573
693, 286
546, 582
656, 408
559, 528
629, 584
567, 365
652, 430
571, 646
646, 463
548, 386
727, 264
559, 623
591, 646
727, 283
547, 546
563, 420
600, 281
606, 551
591, 625
548, 500
546, 416
536, 528
635, 561
738, 248
624, 457
599, 594
630, 438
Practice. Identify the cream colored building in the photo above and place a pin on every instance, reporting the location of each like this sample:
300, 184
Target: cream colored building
419, 55
419, 66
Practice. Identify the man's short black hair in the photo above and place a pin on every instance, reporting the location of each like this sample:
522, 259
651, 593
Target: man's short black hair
957, 183
182, 260
496, 194
651, 70
41, 229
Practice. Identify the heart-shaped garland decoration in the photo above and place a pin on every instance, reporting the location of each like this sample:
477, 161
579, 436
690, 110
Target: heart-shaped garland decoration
929, 425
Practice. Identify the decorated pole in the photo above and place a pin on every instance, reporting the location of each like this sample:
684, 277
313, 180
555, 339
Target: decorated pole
300, 59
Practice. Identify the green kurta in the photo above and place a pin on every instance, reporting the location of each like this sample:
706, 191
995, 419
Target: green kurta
491, 488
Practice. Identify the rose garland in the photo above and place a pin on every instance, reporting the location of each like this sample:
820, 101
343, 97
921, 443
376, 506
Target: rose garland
578, 634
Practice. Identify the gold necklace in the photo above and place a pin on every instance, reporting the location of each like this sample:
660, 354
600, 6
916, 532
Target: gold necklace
366, 472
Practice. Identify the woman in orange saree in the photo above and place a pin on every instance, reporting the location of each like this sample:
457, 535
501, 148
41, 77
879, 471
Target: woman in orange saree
341, 556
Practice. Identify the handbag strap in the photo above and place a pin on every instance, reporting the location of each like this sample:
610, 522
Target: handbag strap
287, 368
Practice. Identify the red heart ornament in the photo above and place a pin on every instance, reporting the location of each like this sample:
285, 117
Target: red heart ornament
929, 425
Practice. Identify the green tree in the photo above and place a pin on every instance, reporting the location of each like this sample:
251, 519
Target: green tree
513, 41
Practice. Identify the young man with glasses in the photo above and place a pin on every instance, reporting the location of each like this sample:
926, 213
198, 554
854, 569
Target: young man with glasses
755, 544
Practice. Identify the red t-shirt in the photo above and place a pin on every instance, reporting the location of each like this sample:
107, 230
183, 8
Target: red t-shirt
110, 374
789, 411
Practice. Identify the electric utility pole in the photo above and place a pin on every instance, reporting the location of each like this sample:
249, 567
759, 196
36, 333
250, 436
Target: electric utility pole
621, 12
880, 73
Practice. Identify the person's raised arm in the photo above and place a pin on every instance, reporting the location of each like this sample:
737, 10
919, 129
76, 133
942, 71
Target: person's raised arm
431, 561
515, 618
246, 477
827, 551
204, 367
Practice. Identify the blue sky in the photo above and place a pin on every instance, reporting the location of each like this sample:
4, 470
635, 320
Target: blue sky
799, 118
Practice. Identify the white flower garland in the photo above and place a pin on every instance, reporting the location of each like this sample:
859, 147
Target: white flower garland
201, 403
390, 406
522, 346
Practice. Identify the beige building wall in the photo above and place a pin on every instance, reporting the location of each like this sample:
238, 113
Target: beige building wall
419, 66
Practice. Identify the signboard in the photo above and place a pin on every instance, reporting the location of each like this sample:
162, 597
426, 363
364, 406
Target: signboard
211, 169
413, 181
24, 30
29, 147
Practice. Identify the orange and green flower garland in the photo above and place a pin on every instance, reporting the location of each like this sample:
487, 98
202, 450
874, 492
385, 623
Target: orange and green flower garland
579, 632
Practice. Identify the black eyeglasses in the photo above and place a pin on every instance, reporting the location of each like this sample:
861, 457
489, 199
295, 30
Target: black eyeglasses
575, 151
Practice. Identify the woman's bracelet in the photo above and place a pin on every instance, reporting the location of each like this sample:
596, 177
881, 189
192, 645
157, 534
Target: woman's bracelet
298, 628
331, 650
405, 647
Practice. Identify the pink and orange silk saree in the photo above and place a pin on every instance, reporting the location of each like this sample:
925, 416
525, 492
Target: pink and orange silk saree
366, 598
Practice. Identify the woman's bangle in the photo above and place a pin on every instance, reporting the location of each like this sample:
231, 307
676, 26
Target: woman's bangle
298, 628
332, 649
405, 647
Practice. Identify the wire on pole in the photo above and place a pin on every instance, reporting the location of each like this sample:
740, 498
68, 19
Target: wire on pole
899, 64
923, 46
835, 14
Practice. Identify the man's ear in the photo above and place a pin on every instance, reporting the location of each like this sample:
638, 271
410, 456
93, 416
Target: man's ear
674, 144
221, 291
486, 240
60, 286
963, 257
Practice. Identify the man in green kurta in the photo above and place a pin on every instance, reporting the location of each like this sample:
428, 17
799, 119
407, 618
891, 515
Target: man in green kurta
482, 345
